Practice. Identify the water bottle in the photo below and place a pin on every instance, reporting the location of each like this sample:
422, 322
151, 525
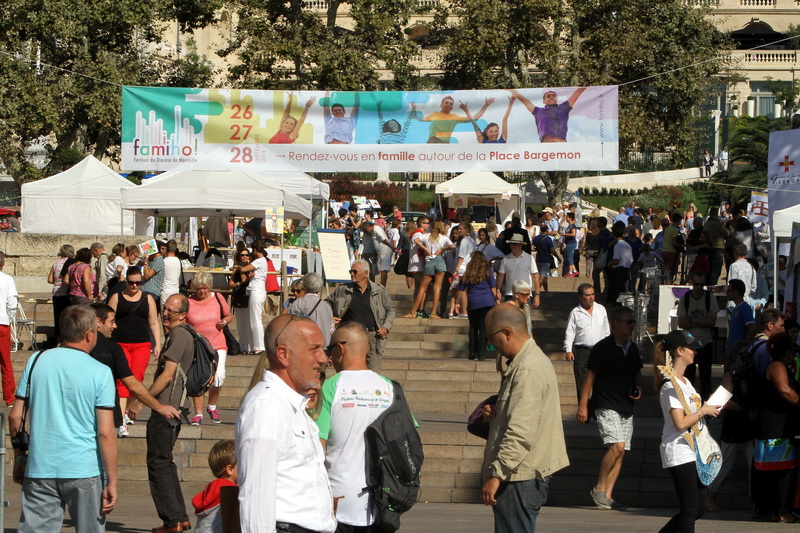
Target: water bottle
212, 263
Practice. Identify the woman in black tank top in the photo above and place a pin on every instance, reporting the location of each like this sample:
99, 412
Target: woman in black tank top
137, 322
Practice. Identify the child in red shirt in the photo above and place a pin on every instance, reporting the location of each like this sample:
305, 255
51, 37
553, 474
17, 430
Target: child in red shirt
222, 461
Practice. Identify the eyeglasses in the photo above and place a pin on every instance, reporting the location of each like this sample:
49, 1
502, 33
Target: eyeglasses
243, 255
496, 332
135, 283
170, 311
353, 271
291, 319
525, 294
333, 345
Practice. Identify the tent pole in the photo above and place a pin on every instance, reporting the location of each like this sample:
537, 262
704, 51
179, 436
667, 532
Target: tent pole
283, 260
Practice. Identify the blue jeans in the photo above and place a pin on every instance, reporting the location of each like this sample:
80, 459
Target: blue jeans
569, 253
44, 499
518, 504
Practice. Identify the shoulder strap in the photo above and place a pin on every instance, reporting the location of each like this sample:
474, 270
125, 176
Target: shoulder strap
27, 401
216, 297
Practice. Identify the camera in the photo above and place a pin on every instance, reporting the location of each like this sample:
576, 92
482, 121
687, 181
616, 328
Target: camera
634, 393
21, 441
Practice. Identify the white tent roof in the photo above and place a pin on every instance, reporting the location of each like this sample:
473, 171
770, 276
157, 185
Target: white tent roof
84, 199
226, 192
478, 183
277, 171
782, 221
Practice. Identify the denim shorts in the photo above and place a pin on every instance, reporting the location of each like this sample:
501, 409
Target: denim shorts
544, 269
435, 265
614, 427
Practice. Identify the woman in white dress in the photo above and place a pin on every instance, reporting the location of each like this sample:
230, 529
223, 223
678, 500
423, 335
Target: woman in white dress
257, 291
677, 456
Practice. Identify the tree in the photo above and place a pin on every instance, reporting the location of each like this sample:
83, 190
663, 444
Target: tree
54, 58
538, 43
280, 43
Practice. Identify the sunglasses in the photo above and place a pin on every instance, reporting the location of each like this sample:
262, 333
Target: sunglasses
244, 255
296, 291
333, 345
353, 271
292, 318
135, 283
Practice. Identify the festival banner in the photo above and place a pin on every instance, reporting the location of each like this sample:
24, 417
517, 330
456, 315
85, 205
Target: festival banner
758, 210
783, 170
562, 128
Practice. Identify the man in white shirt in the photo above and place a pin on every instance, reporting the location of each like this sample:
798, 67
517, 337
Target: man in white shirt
587, 324
619, 267
8, 309
518, 265
283, 485
351, 400
741, 269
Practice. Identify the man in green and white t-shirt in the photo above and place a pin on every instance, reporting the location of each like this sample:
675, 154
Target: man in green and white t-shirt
351, 401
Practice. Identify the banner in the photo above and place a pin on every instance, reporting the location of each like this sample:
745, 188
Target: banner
563, 128
783, 171
758, 210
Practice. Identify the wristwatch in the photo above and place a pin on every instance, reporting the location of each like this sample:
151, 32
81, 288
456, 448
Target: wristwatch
21, 459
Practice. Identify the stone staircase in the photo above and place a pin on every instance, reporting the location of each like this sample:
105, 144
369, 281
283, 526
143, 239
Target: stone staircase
429, 358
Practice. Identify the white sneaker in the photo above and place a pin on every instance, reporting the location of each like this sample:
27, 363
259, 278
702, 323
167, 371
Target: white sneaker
122, 432
127, 421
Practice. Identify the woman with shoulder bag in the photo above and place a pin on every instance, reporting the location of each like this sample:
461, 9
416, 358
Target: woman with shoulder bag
240, 301
209, 314
682, 408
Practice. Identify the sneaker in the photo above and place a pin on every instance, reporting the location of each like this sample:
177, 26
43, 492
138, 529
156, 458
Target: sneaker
214, 414
422, 314
462, 316
617, 506
600, 499
127, 421
197, 420
122, 432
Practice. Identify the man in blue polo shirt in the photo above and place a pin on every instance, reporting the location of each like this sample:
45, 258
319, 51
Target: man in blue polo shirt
73, 443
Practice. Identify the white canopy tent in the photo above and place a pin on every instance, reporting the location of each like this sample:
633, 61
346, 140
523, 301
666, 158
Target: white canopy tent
278, 173
224, 192
485, 184
84, 200
782, 235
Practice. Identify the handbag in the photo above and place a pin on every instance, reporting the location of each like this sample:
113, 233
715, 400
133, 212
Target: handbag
774, 454
475, 423
601, 260
230, 340
708, 457
239, 296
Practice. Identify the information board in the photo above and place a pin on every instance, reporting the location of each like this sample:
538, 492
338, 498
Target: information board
335, 260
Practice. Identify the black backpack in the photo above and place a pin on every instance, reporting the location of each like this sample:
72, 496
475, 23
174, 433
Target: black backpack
200, 376
745, 378
393, 461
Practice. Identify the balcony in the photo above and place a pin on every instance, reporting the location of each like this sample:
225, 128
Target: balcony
764, 60
428, 59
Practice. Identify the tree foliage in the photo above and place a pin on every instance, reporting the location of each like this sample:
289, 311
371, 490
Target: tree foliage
550, 43
280, 44
44, 45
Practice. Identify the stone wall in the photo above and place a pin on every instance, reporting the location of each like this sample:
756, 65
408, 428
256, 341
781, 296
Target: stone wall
29, 256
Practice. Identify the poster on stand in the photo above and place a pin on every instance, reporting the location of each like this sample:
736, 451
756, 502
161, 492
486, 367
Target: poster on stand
783, 169
790, 297
533, 129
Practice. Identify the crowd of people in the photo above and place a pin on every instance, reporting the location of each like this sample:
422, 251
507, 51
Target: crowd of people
295, 458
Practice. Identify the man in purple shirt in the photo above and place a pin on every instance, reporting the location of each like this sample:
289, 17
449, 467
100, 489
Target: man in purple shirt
551, 120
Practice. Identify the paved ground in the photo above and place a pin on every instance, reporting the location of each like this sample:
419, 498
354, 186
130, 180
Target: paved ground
135, 514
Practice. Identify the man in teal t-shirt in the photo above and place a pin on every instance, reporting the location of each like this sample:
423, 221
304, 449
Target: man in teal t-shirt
73, 443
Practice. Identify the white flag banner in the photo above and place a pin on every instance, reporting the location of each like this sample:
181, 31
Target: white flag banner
783, 170
759, 207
